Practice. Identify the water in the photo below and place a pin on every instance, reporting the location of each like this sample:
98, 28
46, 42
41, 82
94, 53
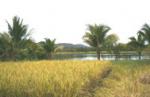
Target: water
103, 57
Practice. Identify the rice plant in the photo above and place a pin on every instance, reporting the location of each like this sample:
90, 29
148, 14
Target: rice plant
47, 78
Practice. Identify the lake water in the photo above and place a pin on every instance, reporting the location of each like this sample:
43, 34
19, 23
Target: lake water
103, 57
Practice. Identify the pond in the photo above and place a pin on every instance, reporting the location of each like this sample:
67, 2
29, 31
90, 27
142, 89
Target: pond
103, 57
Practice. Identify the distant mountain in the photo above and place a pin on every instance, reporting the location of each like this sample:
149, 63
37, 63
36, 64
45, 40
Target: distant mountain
69, 45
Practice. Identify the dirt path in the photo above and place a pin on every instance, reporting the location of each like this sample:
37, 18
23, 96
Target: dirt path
91, 87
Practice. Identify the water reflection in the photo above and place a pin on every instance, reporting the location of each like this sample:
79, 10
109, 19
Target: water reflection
103, 57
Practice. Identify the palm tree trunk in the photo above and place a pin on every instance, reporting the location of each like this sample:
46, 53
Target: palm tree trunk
98, 53
49, 56
139, 55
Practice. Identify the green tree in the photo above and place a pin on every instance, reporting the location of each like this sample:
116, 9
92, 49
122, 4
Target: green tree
5, 46
49, 47
111, 42
138, 43
95, 37
33, 51
145, 31
19, 34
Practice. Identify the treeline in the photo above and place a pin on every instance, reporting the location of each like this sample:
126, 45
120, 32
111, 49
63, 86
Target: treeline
16, 44
97, 37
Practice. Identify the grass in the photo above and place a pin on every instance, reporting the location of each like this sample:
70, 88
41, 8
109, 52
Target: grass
47, 78
124, 80
74, 79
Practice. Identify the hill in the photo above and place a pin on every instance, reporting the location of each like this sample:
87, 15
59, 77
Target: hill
71, 46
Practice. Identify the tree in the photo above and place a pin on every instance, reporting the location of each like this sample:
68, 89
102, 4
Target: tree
19, 34
33, 51
95, 37
5, 46
145, 31
111, 42
49, 47
138, 43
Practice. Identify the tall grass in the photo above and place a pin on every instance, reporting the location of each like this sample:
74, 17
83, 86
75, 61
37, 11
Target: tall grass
47, 78
71, 78
124, 80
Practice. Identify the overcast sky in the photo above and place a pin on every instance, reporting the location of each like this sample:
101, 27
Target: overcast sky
66, 20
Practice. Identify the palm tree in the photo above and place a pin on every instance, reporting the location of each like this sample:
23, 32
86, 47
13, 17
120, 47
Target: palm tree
95, 37
145, 31
138, 43
18, 33
49, 47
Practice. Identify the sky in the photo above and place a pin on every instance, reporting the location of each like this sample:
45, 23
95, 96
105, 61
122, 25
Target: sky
67, 20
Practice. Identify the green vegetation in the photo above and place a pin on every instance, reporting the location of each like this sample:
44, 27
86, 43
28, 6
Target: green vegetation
15, 40
17, 44
96, 37
145, 31
110, 43
138, 43
49, 47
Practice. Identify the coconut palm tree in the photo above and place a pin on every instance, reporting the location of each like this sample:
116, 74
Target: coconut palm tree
19, 34
145, 31
95, 37
49, 47
138, 43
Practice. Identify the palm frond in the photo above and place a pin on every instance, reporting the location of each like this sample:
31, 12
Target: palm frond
96, 35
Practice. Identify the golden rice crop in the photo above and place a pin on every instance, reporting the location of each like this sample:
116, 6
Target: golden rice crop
47, 78
124, 80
